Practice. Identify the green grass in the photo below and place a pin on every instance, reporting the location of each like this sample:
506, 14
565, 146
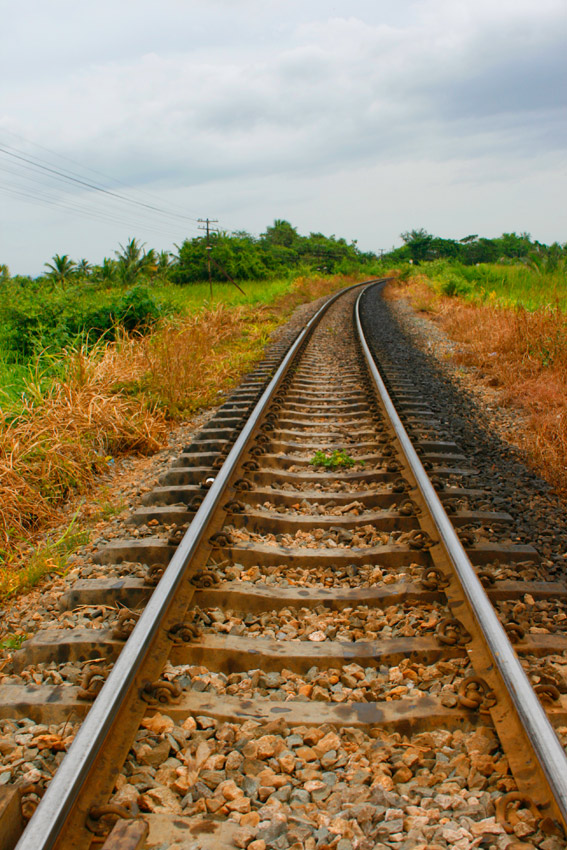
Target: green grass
13, 641
13, 382
503, 285
50, 557
191, 298
338, 459
22, 377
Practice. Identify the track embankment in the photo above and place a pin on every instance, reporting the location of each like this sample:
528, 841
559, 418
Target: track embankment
289, 648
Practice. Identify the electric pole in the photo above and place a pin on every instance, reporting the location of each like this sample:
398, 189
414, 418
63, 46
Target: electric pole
207, 222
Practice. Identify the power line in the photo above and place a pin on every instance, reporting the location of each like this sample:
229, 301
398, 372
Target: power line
96, 215
87, 184
91, 170
43, 195
31, 170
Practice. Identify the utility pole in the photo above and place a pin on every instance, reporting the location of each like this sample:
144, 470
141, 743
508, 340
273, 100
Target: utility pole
207, 222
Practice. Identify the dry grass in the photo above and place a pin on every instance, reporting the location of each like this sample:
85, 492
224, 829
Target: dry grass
58, 443
185, 365
524, 354
114, 400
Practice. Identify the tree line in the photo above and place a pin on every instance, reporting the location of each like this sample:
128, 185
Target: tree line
420, 246
281, 250
237, 256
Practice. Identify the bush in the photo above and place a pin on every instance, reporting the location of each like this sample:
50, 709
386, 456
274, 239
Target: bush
32, 322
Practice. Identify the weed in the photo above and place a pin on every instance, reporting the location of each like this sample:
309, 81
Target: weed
107, 507
13, 641
48, 558
338, 459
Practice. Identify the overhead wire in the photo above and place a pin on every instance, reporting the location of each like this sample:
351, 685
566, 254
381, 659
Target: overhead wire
75, 203
29, 168
87, 184
98, 215
65, 158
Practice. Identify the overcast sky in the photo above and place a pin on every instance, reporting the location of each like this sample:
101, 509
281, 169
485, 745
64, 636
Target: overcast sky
362, 118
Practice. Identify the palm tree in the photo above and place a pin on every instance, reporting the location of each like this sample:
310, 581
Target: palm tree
281, 233
133, 259
84, 267
61, 269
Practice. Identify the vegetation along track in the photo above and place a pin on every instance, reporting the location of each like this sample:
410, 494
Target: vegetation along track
319, 665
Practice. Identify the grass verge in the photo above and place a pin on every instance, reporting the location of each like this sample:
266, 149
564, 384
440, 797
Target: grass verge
521, 352
48, 558
118, 398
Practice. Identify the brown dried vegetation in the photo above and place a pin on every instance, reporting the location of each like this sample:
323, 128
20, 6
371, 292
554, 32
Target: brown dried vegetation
116, 400
523, 354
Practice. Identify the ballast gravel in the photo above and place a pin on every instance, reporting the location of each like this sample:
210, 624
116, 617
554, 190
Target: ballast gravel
409, 344
305, 788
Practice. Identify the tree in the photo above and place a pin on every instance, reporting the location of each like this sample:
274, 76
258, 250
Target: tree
106, 272
84, 268
281, 233
479, 251
163, 262
133, 260
61, 269
231, 255
419, 243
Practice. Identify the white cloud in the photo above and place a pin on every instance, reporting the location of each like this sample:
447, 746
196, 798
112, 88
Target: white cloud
190, 98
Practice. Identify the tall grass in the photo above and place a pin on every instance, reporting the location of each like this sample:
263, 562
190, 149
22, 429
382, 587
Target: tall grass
116, 398
503, 285
61, 438
522, 350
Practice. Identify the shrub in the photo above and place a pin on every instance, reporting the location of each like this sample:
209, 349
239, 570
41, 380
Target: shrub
32, 322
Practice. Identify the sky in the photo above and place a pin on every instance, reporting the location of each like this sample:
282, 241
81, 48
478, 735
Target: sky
363, 119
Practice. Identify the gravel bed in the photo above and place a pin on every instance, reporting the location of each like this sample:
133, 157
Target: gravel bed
332, 485
350, 683
541, 616
365, 575
322, 538
352, 575
321, 623
308, 788
307, 508
470, 414
30, 752
359, 466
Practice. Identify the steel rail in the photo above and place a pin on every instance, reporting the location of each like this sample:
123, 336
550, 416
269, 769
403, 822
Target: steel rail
547, 746
44, 828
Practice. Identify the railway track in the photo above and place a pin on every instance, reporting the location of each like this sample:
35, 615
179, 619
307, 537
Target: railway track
295, 647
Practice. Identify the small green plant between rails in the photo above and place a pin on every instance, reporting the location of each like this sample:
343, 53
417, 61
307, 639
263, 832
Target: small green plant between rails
337, 459
13, 641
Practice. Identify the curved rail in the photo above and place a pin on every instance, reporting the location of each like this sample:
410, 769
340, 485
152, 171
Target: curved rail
44, 829
546, 745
